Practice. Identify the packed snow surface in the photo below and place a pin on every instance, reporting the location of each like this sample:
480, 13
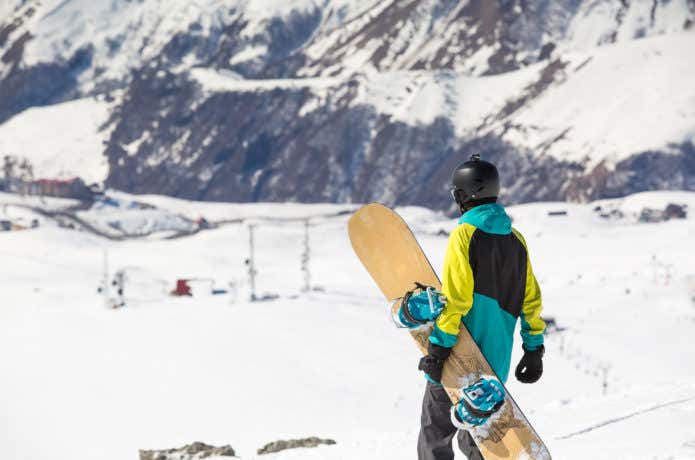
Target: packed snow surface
82, 381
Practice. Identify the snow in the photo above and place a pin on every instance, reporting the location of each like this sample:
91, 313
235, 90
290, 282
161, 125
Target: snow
116, 221
124, 34
326, 38
64, 27
248, 54
340, 12
226, 81
80, 381
610, 103
265, 8
632, 205
21, 217
417, 97
597, 21
46, 203
412, 97
615, 101
219, 211
60, 141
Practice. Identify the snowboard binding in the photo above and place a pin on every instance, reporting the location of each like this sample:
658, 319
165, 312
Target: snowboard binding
479, 402
418, 308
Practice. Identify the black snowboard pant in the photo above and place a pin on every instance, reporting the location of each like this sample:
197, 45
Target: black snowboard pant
437, 431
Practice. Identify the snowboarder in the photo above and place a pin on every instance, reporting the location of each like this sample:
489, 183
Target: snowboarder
487, 284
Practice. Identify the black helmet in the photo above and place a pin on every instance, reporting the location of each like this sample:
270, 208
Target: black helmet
475, 180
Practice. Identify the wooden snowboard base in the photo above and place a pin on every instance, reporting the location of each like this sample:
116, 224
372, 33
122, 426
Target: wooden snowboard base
395, 260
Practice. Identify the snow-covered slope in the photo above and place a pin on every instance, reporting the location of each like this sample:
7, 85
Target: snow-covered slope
602, 104
111, 39
611, 102
80, 381
122, 35
60, 141
479, 37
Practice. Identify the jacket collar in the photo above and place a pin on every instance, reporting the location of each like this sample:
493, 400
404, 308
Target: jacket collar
490, 218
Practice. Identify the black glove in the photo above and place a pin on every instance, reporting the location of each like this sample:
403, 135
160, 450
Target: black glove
530, 367
433, 363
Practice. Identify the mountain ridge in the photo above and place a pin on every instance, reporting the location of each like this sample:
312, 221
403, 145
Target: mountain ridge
360, 101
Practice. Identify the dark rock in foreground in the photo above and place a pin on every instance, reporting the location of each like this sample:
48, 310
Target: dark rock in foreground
195, 451
277, 446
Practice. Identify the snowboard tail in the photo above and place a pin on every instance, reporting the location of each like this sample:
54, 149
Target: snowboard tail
389, 251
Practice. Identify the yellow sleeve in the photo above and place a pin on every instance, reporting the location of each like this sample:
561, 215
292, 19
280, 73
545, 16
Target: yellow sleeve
532, 325
457, 287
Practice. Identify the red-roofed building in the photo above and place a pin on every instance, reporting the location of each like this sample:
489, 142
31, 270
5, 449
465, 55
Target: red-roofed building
62, 188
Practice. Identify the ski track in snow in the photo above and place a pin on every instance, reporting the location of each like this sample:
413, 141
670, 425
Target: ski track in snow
625, 417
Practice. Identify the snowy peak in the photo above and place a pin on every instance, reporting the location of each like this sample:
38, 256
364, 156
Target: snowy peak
476, 37
122, 34
604, 22
14, 34
485, 37
318, 38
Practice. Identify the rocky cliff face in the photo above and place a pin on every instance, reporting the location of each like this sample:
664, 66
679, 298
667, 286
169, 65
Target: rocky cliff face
366, 100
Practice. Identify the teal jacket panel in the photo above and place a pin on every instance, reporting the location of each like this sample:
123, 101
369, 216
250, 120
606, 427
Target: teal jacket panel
492, 329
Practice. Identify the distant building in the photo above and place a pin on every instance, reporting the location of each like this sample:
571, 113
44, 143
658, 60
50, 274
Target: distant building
69, 188
60, 188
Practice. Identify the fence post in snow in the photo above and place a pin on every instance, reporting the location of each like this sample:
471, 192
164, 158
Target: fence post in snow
105, 280
604, 369
306, 258
250, 262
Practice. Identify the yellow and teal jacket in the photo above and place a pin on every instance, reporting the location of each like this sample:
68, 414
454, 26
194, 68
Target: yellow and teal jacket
488, 282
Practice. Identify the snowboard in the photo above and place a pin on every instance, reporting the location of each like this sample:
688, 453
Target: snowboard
389, 251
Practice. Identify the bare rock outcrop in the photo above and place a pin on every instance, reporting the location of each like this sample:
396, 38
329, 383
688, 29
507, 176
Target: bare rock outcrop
277, 446
195, 451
